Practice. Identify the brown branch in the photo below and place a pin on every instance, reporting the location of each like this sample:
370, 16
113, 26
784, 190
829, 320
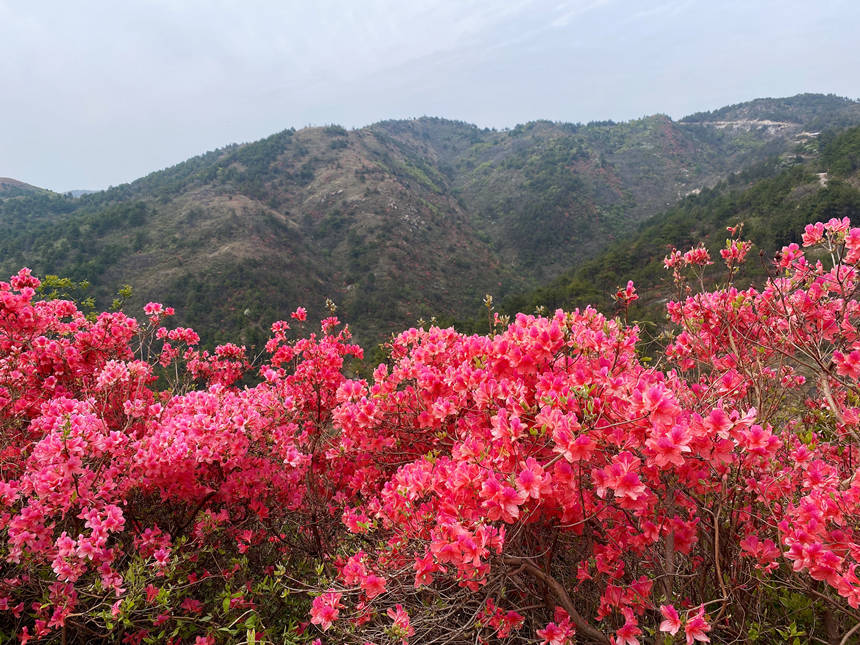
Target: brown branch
181, 530
583, 627
717, 558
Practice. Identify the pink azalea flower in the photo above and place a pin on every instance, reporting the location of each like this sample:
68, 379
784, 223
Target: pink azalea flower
696, 627
671, 622
325, 609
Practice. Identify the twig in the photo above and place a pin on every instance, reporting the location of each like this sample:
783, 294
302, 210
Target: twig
849, 634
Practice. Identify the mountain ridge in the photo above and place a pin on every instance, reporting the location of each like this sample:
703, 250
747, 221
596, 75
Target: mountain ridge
394, 221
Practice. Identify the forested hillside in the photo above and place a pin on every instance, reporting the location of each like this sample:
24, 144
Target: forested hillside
396, 221
771, 201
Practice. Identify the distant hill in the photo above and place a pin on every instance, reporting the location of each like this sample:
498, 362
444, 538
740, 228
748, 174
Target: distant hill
813, 112
12, 187
398, 220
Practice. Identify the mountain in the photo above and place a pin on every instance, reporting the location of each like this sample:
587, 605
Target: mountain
395, 221
13, 188
773, 202
813, 112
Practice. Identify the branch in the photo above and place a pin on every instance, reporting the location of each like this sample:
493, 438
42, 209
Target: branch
849, 634
582, 625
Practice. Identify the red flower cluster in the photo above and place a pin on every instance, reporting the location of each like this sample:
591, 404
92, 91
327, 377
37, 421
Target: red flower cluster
147, 490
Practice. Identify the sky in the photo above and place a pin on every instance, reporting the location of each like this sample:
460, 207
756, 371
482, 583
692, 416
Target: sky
98, 93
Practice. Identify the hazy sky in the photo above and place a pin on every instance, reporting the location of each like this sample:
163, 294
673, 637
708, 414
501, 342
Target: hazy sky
94, 93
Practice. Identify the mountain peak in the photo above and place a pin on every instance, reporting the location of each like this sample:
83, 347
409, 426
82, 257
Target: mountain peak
8, 184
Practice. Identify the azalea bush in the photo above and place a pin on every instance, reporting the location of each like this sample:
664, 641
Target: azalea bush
544, 483
145, 496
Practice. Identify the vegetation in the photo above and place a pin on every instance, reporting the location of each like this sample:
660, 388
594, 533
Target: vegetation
555, 478
771, 201
543, 483
813, 111
409, 219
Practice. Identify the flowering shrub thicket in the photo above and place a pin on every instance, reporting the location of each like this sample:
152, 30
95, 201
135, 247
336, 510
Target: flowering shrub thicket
136, 507
543, 483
